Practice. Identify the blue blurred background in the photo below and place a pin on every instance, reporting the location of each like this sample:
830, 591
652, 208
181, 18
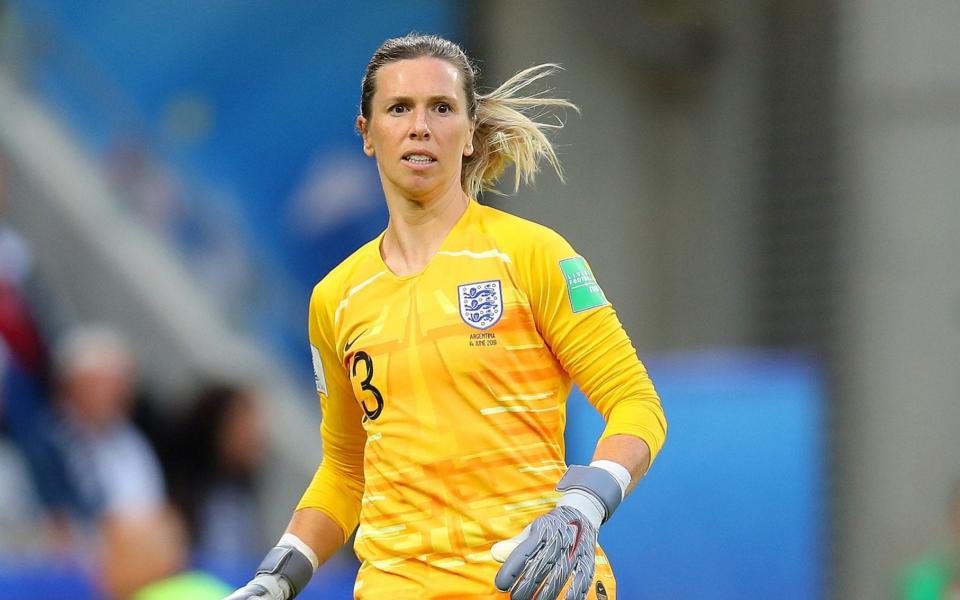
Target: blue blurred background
767, 192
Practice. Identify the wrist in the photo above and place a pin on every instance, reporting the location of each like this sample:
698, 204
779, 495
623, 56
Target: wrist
290, 539
286, 569
599, 482
586, 503
618, 471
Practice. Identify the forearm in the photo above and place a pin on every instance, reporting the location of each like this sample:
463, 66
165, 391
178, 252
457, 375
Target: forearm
629, 451
318, 531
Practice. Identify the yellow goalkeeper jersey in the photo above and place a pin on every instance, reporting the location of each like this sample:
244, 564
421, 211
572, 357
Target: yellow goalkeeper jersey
443, 399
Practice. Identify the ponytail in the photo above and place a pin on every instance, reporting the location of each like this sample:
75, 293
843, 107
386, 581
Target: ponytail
506, 132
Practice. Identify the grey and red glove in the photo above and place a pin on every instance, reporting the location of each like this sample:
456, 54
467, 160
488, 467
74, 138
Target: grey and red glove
282, 574
561, 544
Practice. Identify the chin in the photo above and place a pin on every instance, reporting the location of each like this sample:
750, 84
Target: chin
419, 189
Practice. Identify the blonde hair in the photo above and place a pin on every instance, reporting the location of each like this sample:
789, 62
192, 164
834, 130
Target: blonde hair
508, 126
507, 133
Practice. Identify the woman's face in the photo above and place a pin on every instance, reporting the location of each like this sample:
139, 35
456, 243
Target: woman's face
418, 128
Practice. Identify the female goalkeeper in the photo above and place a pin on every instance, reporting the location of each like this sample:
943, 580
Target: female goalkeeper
444, 351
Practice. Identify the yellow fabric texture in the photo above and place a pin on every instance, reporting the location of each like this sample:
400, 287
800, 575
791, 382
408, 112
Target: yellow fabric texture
442, 437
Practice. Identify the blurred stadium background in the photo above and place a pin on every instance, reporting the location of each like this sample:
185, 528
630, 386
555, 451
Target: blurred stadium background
769, 192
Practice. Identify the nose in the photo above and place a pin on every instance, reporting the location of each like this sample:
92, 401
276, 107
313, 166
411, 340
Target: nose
421, 130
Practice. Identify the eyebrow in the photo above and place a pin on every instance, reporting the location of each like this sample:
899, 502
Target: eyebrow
409, 100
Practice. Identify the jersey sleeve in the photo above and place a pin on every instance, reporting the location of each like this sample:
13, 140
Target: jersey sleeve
337, 486
583, 332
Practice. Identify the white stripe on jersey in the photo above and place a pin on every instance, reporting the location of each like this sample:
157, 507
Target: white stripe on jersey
492, 253
515, 409
354, 290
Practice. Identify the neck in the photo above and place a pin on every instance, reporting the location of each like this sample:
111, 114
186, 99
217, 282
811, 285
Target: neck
417, 229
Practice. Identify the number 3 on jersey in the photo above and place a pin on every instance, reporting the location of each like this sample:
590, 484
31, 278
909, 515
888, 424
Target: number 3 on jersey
367, 387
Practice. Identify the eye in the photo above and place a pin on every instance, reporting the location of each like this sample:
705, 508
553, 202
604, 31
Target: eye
444, 108
397, 109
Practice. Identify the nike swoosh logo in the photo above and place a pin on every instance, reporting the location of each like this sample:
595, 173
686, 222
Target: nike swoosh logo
576, 540
346, 347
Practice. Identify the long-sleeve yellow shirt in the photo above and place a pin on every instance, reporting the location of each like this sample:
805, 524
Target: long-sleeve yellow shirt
443, 398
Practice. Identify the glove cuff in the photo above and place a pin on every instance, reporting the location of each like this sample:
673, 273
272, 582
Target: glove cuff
585, 504
286, 562
597, 482
619, 472
289, 539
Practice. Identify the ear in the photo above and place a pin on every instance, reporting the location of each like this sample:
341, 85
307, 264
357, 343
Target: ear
468, 149
365, 134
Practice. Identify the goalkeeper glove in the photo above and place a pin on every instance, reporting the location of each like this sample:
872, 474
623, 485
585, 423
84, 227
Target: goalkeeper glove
538, 562
282, 574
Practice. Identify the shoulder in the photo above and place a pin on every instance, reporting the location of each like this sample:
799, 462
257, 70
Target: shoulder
521, 237
350, 272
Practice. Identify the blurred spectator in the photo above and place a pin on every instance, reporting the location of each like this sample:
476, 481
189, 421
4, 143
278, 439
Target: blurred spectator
936, 576
195, 585
213, 471
19, 513
137, 550
109, 460
120, 507
25, 379
17, 326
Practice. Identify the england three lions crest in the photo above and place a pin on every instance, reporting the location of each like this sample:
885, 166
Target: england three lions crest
481, 303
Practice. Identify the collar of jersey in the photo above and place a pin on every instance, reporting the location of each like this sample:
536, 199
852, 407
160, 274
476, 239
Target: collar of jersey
457, 227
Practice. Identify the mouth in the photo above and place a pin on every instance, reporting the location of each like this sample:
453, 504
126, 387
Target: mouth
419, 159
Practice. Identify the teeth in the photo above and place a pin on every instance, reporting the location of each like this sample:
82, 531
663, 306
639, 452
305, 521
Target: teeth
419, 158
